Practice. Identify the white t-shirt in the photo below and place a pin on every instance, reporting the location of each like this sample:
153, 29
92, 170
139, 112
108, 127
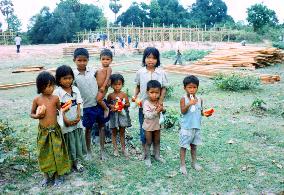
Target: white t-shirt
18, 40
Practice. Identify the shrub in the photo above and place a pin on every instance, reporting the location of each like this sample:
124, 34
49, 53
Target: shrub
7, 139
172, 117
279, 45
169, 92
236, 82
258, 103
187, 55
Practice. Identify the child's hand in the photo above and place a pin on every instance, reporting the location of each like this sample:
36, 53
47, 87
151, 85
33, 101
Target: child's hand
159, 108
192, 102
102, 89
112, 108
40, 111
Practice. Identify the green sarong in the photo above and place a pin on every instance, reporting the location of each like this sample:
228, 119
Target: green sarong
52, 152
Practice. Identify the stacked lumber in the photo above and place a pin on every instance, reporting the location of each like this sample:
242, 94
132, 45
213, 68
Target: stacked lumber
92, 49
210, 72
34, 68
248, 57
16, 85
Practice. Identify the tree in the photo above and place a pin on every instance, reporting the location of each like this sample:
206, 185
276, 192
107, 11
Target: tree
6, 7
69, 17
136, 14
14, 24
209, 12
115, 6
259, 16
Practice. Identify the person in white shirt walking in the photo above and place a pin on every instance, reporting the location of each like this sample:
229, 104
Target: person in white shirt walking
18, 42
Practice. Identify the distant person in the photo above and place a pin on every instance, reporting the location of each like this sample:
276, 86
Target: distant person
52, 153
136, 42
18, 42
98, 37
178, 58
112, 48
129, 40
243, 42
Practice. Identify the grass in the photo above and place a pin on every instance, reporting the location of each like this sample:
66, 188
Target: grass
249, 165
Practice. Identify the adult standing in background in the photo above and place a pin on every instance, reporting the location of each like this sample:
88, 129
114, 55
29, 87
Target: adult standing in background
18, 42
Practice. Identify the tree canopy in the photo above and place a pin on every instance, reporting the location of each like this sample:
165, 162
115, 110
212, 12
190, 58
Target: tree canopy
7, 10
259, 16
69, 17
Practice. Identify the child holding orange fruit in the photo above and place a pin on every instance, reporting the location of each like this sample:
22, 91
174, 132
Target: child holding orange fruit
191, 108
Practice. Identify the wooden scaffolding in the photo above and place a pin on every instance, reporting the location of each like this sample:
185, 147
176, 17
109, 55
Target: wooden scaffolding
160, 34
7, 37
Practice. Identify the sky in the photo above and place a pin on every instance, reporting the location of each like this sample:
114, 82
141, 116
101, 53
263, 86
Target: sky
25, 9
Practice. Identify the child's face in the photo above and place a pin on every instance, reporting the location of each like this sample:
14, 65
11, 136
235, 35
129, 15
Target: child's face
49, 89
151, 61
106, 61
81, 62
66, 81
154, 93
191, 88
117, 86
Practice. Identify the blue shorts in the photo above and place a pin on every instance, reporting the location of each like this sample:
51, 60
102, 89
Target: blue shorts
93, 115
142, 131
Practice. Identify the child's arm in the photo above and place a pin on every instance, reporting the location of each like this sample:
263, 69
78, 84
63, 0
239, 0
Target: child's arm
184, 108
112, 107
109, 71
33, 110
163, 94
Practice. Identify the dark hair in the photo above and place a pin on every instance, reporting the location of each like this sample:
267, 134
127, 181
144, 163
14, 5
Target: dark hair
106, 52
190, 79
63, 71
153, 84
81, 52
116, 77
43, 80
155, 52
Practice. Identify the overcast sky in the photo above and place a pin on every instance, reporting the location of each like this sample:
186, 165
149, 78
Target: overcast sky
25, 9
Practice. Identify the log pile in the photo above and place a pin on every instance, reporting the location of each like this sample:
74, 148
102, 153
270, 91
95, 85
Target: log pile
29, 69
241, 60
251, 57
92, 49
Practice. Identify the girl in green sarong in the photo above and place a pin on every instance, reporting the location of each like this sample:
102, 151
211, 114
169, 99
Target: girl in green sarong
52, 153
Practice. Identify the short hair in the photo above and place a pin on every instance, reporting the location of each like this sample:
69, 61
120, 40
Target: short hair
190, 79
106, 52
43, 80
81, 52
153, 84
155, 52
63, 71
116, 77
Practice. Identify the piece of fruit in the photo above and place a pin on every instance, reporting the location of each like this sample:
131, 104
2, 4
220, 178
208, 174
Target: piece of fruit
67, 104
208, 112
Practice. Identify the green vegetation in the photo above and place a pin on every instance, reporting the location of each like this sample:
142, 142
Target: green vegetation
236, 82
279, 45
188, 55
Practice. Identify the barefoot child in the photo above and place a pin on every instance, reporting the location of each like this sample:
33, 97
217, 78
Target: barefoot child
151, 110
72, 126
191, 109
119, 117
52, 153
102, 76
86, 82
149, 71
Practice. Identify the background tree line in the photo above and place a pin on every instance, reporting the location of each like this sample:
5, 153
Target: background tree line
71, 16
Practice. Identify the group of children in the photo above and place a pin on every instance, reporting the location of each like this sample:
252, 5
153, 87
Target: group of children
67, 114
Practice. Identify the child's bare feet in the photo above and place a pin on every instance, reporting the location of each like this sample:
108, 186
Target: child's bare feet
160, 159
183, 170
148, 162
103, 156
58, 181
115, 153
45, 182
196, 166
125, 153
106, 112
78, 167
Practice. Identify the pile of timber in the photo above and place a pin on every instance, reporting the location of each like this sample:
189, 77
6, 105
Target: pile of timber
244, 56
16, 85
210, 72
92, 49
34, 68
